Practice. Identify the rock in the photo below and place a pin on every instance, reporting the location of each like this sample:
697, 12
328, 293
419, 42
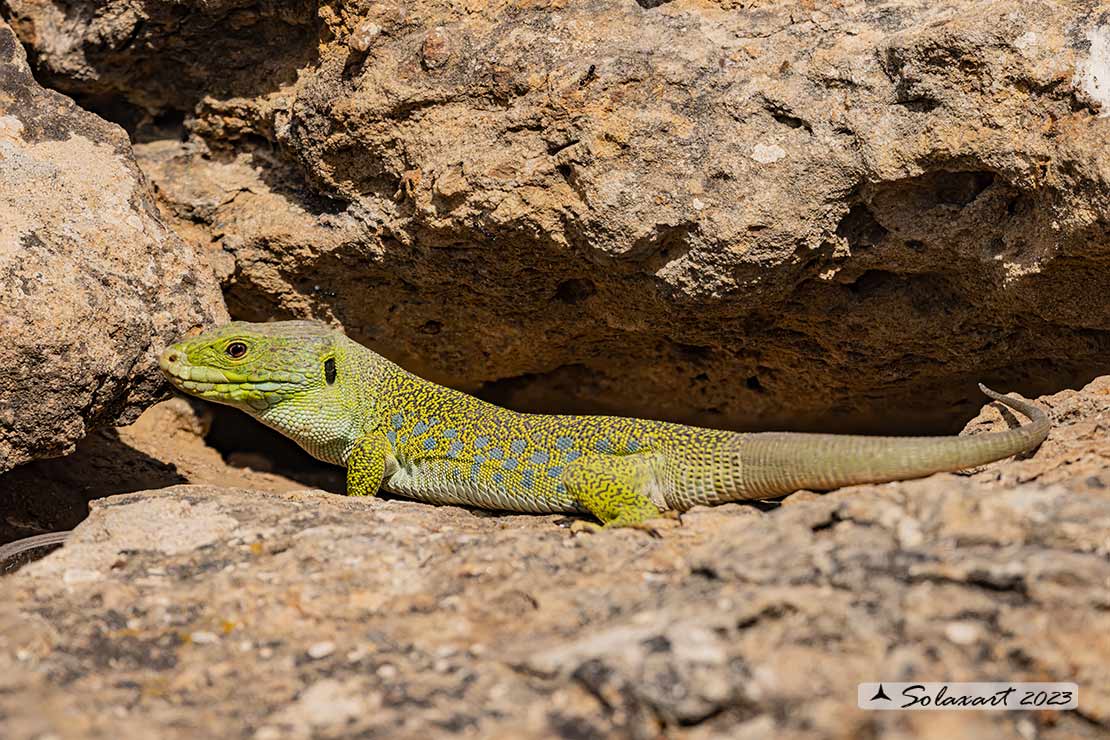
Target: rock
92, 283
164, 447
126, 59
769, 215
303, 614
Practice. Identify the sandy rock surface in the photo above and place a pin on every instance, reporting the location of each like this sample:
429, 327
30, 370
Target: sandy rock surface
749, 214
173, 442
92, 283
225, 612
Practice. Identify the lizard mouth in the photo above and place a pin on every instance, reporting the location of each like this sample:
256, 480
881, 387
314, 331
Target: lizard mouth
220, 385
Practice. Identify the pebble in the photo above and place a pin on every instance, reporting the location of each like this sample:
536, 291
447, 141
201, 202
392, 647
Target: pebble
363, 37
321, 650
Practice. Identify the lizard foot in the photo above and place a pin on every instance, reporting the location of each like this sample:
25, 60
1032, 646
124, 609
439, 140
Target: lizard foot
584, 526
653, 527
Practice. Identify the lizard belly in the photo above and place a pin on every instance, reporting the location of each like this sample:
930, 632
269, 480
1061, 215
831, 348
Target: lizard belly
447, 482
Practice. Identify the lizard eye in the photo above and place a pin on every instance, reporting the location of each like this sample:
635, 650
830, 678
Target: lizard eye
235, 350
329, 370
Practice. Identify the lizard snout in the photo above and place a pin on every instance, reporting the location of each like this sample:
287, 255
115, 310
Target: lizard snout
169, 360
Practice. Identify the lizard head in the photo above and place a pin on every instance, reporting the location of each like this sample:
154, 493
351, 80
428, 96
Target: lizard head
256, 367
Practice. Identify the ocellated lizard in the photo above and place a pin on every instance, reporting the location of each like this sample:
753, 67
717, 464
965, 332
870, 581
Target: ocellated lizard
392, 430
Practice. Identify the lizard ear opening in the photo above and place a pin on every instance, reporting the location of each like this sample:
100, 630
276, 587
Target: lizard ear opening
329, 370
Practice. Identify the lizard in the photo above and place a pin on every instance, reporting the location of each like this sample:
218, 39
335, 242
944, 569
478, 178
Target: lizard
394, 431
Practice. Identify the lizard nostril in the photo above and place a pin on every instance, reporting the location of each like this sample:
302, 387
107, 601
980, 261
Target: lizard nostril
172, 357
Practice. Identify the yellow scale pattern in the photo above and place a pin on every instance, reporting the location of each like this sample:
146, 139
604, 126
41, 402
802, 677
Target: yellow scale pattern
396, 431
453, 448
348, 405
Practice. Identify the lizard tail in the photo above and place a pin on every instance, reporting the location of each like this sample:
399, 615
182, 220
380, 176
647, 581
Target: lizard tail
12, 549
772, 463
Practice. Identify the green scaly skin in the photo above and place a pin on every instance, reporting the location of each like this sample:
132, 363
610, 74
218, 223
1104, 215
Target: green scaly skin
392, 430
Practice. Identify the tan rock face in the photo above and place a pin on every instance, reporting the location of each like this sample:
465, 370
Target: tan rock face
737, 213
92, 283
204, 611
165, 54
813, 215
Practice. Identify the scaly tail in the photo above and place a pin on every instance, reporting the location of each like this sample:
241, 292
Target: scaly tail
12, 549
773, 464
769, 464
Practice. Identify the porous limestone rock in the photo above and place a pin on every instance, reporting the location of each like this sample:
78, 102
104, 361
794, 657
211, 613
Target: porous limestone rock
92, 283
747, 214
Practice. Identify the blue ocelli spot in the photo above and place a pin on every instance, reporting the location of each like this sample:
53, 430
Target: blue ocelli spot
474, 470
602, 445
430, 443
454, 449
517, 446
540, 457
564, 443
420, 428
398, 420
555, 472
392, 437
528, 478
496, 453
480, 442
561, 488
510, 464
572, 456
498, 478
479, 459
633, 445
450, 433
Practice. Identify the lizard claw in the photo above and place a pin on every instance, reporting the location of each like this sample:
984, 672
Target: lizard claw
584, 526
650, 527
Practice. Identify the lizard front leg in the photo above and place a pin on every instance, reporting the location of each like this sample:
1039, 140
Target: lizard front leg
366, 464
